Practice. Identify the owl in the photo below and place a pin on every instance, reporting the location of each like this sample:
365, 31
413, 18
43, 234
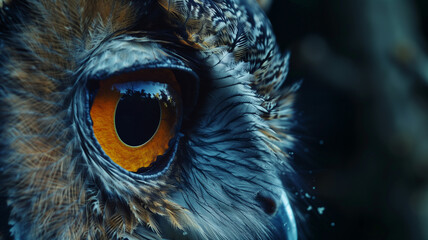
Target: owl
144, 119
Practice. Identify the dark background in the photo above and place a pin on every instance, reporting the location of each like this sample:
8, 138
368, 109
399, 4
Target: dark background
361, 115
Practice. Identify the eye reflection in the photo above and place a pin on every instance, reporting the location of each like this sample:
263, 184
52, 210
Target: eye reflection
137, 118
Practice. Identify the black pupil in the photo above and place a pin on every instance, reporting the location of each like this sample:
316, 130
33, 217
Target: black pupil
137, 118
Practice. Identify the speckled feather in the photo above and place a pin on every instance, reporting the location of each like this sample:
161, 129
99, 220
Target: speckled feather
60, 184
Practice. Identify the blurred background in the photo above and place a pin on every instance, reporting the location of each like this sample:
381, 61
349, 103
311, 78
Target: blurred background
362, 115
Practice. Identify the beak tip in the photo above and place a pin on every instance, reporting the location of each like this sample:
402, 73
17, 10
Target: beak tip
284, 220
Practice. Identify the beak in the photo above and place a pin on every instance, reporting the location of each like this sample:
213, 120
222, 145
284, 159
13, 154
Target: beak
284, 220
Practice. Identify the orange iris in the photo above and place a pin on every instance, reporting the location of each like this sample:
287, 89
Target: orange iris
135, 115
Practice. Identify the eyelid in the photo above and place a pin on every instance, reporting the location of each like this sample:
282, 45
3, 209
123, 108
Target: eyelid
131, 54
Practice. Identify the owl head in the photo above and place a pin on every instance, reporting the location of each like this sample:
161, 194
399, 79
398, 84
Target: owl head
151, 119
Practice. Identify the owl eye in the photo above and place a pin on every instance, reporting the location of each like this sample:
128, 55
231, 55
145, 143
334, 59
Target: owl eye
136, 117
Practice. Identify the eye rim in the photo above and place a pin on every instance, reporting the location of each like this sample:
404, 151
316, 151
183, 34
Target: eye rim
163, 162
